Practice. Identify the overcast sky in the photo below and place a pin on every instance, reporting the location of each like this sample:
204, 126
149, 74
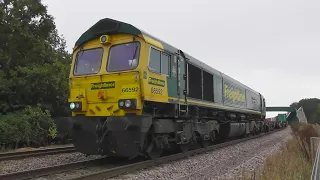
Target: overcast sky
272, 46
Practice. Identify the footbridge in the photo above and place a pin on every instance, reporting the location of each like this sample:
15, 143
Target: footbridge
293, 114
281, 108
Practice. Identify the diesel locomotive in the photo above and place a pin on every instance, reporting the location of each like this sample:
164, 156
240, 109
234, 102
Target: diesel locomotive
132, 94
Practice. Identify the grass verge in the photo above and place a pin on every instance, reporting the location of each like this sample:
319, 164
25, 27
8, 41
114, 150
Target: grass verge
293, 161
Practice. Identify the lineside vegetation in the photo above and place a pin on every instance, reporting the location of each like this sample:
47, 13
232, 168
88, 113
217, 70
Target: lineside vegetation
293, 161
34, 67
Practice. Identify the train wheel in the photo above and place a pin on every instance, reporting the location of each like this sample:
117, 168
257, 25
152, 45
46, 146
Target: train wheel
155, 152
155, 148
204, 143
184, 148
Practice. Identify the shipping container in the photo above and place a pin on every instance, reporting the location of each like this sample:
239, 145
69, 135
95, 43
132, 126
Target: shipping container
282, 117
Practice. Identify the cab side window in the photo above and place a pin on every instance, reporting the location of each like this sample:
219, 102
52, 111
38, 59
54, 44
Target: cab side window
155, 60
159, 62
165, 61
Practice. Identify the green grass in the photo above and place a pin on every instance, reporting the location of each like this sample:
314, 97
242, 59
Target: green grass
293, 161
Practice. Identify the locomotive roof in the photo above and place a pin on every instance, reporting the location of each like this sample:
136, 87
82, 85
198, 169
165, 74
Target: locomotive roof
111, 26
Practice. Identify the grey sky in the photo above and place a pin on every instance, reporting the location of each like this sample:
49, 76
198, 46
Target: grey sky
271, 46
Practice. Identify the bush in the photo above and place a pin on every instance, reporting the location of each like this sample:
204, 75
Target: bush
14, 130
29, 127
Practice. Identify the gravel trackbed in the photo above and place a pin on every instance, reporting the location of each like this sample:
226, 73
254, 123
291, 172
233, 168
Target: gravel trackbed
225, 163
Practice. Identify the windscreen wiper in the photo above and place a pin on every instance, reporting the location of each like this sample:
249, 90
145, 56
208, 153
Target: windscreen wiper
135, 52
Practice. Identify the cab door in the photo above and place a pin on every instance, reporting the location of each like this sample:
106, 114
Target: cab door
177, 83
173, 95
182, 78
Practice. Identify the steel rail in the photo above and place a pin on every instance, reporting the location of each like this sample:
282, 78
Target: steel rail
34, 153
34, 173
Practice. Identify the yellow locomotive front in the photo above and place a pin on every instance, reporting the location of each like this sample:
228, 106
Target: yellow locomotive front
105, 76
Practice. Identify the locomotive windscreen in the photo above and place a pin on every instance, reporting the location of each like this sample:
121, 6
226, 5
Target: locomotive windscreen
123, 57
88, 61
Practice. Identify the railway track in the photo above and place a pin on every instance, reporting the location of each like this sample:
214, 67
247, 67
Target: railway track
111, 167
48, 170
112, 172
34, 153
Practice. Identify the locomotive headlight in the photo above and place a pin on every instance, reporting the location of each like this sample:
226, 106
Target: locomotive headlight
75, 106
105, 39
72, 105
128, 103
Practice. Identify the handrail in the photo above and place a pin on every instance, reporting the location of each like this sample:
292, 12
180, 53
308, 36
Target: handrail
315, 170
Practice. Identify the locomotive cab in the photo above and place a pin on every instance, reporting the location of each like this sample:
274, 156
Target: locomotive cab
105, 76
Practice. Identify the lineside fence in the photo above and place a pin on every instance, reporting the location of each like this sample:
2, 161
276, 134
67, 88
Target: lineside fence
315, 157
301, 115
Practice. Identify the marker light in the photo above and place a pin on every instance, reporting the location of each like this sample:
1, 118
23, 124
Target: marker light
101, 95
121, 103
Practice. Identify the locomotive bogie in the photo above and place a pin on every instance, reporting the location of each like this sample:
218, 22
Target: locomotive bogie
131, 136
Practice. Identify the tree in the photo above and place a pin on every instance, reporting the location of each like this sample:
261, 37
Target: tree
34, 63
310, 107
